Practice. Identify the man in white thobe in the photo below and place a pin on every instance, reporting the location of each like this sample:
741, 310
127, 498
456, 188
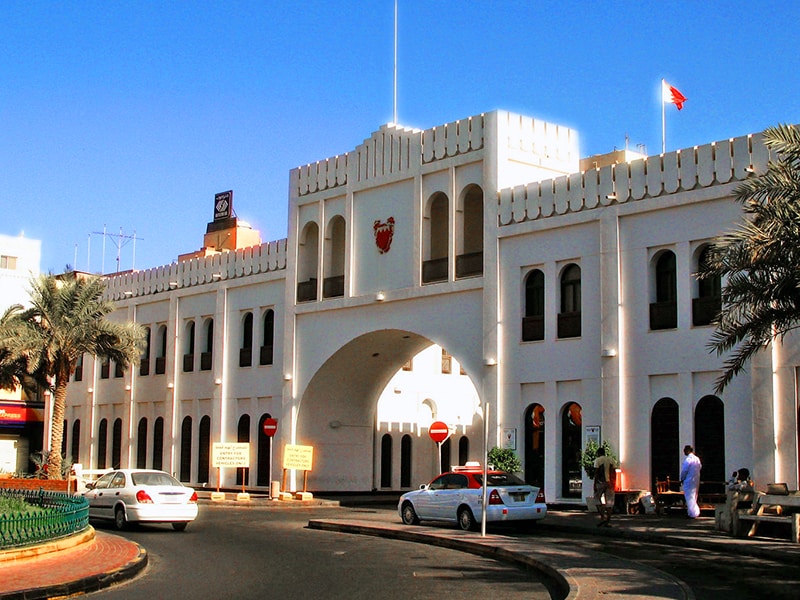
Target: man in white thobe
690, 479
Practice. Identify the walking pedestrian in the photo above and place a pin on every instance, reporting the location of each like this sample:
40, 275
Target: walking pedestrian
690, 480
604, 470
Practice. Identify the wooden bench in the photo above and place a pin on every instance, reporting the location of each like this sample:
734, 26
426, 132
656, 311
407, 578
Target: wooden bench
770, 508
667, 495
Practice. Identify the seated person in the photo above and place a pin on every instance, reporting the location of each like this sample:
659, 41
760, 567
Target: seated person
740, 481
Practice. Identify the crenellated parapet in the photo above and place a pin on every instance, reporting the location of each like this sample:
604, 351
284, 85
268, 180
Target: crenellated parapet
390, 151
682, 170
267, 257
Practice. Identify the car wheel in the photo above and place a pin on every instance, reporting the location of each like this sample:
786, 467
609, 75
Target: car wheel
179, 526
120, 521
409, 514
466, 520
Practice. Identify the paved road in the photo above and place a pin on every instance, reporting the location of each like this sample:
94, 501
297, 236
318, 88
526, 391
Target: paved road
252, 553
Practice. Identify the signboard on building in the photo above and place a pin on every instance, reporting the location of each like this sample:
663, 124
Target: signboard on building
298, 457
223, 205
17, 415
230, 454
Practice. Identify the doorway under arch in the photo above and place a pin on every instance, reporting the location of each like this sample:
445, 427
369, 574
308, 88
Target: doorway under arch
709, 427
665, 453
571, 447
534, 445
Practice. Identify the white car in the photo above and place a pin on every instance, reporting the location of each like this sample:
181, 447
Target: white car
457, 496
141, 496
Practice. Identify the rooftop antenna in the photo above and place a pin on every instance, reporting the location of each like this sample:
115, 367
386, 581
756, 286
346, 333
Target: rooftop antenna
120, 240
394, 92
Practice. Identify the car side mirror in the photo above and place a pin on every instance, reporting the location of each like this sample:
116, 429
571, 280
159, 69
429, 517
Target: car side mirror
90, 485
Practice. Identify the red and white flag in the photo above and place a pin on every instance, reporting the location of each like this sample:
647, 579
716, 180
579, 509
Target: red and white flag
671, 95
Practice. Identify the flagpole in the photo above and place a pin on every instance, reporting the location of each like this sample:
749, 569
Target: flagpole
394, 103
663, 121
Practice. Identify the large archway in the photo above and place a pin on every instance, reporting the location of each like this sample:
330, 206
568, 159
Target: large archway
337, 415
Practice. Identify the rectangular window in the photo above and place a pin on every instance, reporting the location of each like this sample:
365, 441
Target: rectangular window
8, 262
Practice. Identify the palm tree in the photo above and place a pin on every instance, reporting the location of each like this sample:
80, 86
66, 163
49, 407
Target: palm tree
760, 259
67, 318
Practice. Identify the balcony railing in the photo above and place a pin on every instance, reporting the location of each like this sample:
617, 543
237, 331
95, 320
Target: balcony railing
245, 357
434, 270
333, 287
705, 310
664, 315
569, 325
533, 328
265, 357
307, 290
469, 265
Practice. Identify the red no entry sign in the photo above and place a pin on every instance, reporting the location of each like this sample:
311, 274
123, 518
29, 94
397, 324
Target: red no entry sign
270, 426
438, 431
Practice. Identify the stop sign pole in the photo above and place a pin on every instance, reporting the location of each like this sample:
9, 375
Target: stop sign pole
270, 426
439, 432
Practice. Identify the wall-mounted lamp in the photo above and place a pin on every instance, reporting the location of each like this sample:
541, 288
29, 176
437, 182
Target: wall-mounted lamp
380, 297
611, 196
173, 285
216, 276
90, 390
170, 385
397, 390
335, 424
750, 169
218, 382
287, 376
489, 362
128, 388
127, 293
608, 352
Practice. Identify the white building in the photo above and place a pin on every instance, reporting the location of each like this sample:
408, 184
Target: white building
566, 296
21, 417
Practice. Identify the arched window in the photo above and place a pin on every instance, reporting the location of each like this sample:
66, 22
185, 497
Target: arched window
405, 461
571, 446
204, 449
268, 338
158, 443
569, 319
246, 351
436, 252
116, 445
533, 321
709, 427
76, 440
469, 260
386, 461
708, 303
144, 360
188, 341
243, 437
206, 356
664, 441
102, 443
186, 449
263, 466
141, 444
534, 445
308, 263
463, 450
161, 357
333, 283
664, 311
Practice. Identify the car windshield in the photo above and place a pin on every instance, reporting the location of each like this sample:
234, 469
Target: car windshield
144, 478
500, 479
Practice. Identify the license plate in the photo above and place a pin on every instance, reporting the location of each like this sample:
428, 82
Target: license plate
519, 496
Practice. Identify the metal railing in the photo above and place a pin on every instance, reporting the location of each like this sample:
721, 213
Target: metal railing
61, 516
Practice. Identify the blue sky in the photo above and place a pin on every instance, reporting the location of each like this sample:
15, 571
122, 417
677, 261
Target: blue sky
132, 115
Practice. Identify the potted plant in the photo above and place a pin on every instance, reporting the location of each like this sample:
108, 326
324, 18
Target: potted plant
504, 459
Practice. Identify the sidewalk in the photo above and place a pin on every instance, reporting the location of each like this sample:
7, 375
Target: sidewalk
87, 565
